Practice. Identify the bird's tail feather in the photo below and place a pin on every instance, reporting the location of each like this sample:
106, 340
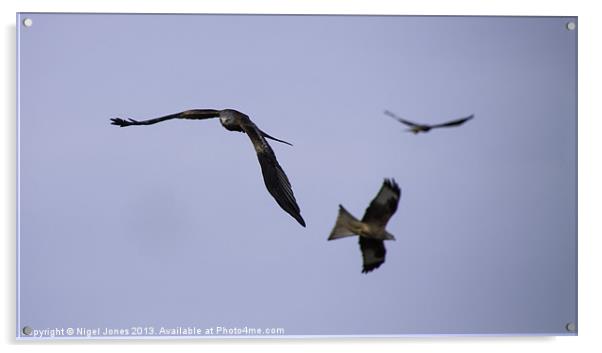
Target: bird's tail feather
344, 225
273, 138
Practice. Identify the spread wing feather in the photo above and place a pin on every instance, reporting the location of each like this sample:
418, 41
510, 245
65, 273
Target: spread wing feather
454, 122
384, 204
196, 114
403, 121
373, 253
274, 177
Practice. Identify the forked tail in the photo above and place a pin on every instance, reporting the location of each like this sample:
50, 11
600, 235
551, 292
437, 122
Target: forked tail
344, 225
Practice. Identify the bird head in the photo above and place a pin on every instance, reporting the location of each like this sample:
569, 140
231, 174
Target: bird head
231, 113
231, 119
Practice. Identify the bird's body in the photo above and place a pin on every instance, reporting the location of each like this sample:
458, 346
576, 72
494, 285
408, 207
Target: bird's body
419, 128
372, 228
274, 177
416, 128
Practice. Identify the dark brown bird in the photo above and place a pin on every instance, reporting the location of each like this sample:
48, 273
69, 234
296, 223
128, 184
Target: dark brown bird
371, 229
416, 128
274, 177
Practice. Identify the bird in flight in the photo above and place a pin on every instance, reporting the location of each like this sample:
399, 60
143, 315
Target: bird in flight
416, 128
371, 229
274, 177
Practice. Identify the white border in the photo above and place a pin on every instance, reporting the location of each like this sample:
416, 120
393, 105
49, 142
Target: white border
18, 184
590, 115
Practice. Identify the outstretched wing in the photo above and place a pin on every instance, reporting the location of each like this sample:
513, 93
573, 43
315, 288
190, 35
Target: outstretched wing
196, 114
373, 253
454, 122
403, 121
384, 204
274, 178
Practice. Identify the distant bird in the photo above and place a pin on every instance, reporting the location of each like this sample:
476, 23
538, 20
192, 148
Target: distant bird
274, 178
416, 128
371, 229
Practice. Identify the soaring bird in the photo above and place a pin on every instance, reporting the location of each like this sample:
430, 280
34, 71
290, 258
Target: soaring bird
274, 177
416, 128
371, 229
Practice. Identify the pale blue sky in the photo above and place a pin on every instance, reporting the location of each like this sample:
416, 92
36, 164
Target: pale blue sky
171, 225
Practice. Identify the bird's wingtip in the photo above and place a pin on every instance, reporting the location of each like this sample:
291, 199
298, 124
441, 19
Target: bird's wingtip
123, 123
392, 184
119, 122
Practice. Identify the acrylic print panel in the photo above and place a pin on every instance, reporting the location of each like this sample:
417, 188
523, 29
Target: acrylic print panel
169, 230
